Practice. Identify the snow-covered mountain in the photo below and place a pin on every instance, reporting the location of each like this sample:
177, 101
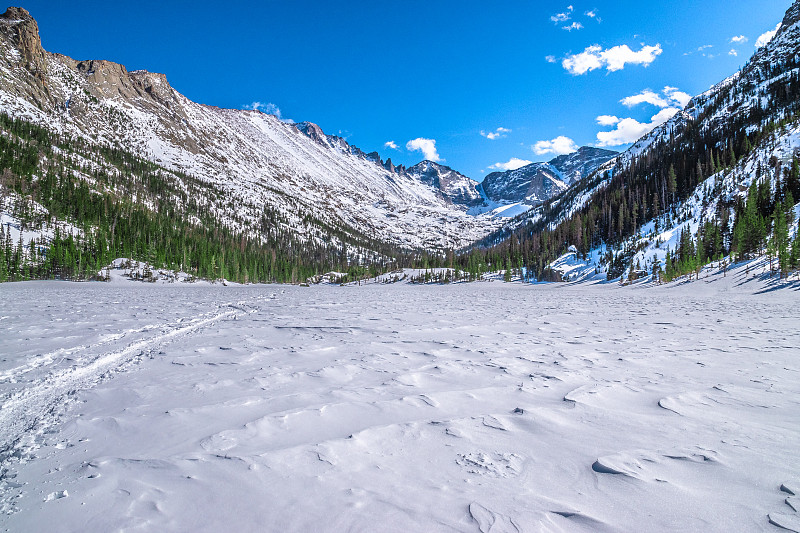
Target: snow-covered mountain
532, 184
536, 183
452, 185
250, 160
579, 164
693, 170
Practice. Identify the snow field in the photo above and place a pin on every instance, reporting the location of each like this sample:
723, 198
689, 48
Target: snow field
469, 407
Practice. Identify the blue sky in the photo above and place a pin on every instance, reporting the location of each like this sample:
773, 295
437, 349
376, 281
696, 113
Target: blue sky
494, 84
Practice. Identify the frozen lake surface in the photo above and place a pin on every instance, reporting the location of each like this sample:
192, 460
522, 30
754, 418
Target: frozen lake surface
476, 407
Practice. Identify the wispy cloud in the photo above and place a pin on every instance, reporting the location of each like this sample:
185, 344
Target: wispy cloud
426, 146
550, 59
499, 133
733, 52
592, 14
391, 144
269, 109
702, 51
560, 145
613, 59
573, 26
563, 17
739, 39
766, 37
512, 164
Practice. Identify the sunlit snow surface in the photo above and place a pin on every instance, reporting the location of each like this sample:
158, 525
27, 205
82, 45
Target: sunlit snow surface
472, 407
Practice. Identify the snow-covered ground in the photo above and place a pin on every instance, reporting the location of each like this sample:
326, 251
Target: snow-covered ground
467, 407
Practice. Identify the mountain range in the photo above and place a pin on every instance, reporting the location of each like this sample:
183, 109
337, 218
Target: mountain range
126, 141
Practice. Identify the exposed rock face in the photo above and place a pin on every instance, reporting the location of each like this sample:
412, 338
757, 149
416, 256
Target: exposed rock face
538, 182
450, 185
453, 186
577, 165
792, 15
22, 52
21, 30
314, 132
531, 184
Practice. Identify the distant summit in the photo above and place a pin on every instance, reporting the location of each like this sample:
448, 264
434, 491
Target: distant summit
577, 165
536, 183
453, 186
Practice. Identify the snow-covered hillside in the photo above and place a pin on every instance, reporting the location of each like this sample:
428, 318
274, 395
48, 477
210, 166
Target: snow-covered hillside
513, 192
724, 139
251, 158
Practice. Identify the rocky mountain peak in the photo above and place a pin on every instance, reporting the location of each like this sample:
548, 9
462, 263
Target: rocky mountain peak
532, 184
450, 184
16, 13
792, 15
313, 131
579, 164
153, 83
20, 30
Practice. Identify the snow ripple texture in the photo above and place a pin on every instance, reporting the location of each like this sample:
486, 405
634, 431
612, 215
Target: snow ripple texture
474, 407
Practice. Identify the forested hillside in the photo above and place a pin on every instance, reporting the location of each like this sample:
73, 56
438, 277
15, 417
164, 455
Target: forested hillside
91, 204
719, 178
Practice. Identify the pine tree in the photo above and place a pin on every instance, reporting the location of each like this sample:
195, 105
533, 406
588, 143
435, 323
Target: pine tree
672, 183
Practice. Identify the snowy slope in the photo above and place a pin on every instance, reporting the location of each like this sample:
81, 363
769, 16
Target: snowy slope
532, 184
514, 192
254, 159
581, 163
453, 186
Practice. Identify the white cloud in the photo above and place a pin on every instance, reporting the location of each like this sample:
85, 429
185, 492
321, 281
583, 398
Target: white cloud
739, 39
668, 97
617, 57
550, 59
630, 130
562, 17
582, 63
613, 59
592, 14
647, 96
391, 144
426, 146
733, 52
607, 120
499, 133
560, 145
702, 51
627, 130
573, 26
268, 108
512, 164
679, 97
766, 37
